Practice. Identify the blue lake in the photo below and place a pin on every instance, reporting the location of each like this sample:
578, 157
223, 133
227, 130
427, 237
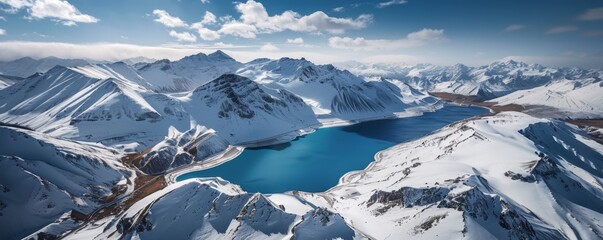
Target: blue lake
315, 162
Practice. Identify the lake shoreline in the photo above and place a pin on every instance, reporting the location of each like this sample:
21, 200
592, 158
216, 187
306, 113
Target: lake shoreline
328, 170
218, 159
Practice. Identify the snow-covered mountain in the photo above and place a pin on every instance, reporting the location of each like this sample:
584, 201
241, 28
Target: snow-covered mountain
215, 209
76, 94
42, 179
84, 102
572, 98
241, 110
508, 176
6, 81
332, 92
487, 82
25, 67
60, 101
189, 72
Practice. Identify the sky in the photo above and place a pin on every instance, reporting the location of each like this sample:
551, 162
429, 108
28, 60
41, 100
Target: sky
550, 32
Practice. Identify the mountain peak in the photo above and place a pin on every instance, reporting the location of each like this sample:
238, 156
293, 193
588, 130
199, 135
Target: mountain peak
24, 59
512, 63
195, 57
218, 53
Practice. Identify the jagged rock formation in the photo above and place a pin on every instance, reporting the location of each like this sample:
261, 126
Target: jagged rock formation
218, 210
179, 149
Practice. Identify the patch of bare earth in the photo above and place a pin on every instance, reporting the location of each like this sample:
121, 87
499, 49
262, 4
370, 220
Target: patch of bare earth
590, 126
132, 160
144, 185
474, 100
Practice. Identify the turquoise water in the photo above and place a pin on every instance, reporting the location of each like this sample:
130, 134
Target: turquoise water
315, 162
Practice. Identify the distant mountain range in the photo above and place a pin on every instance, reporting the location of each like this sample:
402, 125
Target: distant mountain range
492, 81
486, 82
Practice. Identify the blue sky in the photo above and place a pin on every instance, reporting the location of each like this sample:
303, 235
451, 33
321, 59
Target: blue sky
556, 33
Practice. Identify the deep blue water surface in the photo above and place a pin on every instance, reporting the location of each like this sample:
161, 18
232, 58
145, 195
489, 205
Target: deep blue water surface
315, 162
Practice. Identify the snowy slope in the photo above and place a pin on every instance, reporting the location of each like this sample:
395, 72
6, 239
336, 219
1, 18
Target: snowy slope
189, 72
109, 103
490, 81
25, 67
578, 98
41, 178
6, 81
214, 209
240, 110
508, 176
331, 91
55, 102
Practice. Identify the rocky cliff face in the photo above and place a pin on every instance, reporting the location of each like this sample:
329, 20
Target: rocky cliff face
179, 149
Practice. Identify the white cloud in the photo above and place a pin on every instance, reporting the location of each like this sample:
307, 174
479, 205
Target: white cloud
224, 45
296, 40
391, 3
226, 18
2, 32
592, 14
338, 9
208, 18
562, 29
514, 27
183, 36
166, 19
254, 19
413, 39
204, 1
15, 5
239, 29
268, 47
2, 18
69, 23
205, 33
58, 10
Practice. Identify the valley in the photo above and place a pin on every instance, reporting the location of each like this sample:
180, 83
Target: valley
287, 148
